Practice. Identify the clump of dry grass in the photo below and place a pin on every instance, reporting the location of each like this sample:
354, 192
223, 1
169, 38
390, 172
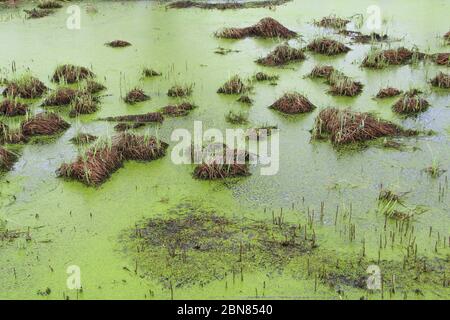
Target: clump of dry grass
260, 132
332, 21
93, 87
226, 5
345, 126
60, 97
12, 107
11, 135
180, 91
149, 73
44, 124
181, 109
321, 72
136, 95
341, 85
83, 104
139, 147
7, 159
124, 126
282, 55
293, 103
265, 28
447, 36
69, 73
26, 87
411, 103
49, 4
388, 92
261, 76
83, 138
245, 99
236, 117
233, 86
118, 44
379, 59
441, 80
146, 117
442, 59
327, 46
38, 13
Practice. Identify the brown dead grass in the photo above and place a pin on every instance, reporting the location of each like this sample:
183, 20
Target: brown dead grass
215, 169
321, 72
442, 59
118, 44
182, 109
327, 46
44, 124
441, 80
38, 13
410, 103
265, 28
293, 103
70, 73
332, 22
137, 147
281, 55
12, 108
83, 104
388, 92
399, 56
136, 95
60, 97
346, 126
233, 86
27, 87
124, 126
83, 138
146, 117
7, 159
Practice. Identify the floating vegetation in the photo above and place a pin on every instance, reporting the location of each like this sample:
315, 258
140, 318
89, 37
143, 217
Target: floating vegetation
388, 92
118, 44
146, 117
83, 104
224, 51
49, 4
281, 55
7, 160
379, 59
442, 59
26, 87
12, 107
265, 28
180, 91
346, 126
150, 73
226, 5
236, 117
136, 95
332, 22
83, 138
245, 100
181, 109
44, 124
38, 13
60, 97
411, 103
233, 86
321, 72
261, 76
69, 73
327, 46
195, 246
124, 126
293, 103
441, 80
95, 165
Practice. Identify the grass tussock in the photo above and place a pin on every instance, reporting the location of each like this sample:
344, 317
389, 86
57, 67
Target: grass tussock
447, 37
261, 76
327, 46
177, 91
261, 132
12, 107
83, 104
182, 109
49, 4
7, 159
388, 92
441, 80
346, 126
44, 124
341, 85
293, 103
321, 72
60, 97
118, 44
265, 28
245, 99
411, 103
150, 73
139, 147
136, 95
69, 73
38, 13
145, 118
26, 87
332, 22
281, 55
359, 37
442, 59
125, 126
233, 86
183, 4
378, 59
92, 87
11, 135
83, 138
236, 117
